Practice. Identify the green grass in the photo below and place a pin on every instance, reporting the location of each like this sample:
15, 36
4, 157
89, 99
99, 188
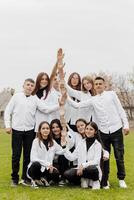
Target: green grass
66, 193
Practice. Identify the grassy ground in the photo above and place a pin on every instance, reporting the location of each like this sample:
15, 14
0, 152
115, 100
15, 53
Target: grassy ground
65, 193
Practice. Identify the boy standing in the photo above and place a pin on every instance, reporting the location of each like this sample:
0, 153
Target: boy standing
20, 122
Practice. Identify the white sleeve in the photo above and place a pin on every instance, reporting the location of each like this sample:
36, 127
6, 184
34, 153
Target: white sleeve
58, 149
70, 139
71, 156
43, 107
82, 104
73, 93
121, 111
8, 112
34, 154
97, 157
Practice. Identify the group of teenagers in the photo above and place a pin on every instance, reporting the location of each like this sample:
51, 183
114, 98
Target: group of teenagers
66, 130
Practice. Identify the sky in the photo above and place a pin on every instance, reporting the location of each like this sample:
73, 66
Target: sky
95, 36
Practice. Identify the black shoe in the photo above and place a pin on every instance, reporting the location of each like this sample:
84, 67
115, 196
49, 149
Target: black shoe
14, 183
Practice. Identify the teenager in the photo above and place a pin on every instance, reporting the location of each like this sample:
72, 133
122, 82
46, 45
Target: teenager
88, 153
74, 81
86, 93
60, 162
41, 169
47, 89
20, 121
112, 122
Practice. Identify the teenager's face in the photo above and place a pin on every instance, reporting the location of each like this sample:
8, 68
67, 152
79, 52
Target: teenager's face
81, 127
99, 86
89, 131
28, 87
44, 81
75, 80
87, 85
56, 129
45, 131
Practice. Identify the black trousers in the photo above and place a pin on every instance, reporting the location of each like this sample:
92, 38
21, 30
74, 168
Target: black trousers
35, 173
91, 172
21, 140
62, 164
116, 140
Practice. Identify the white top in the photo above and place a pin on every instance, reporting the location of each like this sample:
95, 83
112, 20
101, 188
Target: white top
86, 158
50, 101
20, 111
108, 111
76, 113
45, 157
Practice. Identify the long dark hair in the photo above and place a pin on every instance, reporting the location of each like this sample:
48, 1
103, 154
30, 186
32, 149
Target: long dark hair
78, 87
94, 125
37, 84
50, 136
55, 121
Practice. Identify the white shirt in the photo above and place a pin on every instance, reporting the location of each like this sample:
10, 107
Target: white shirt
20, 111
72, 113
86, 158
50, 101
108, 111
45, 157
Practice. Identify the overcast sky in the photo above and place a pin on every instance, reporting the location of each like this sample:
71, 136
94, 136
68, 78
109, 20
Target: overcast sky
94, 34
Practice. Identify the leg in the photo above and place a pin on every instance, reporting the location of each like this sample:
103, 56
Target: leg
105, 138
35, 171
91, 172
54, 176
118, 145
71, 176
16, 154
27, 144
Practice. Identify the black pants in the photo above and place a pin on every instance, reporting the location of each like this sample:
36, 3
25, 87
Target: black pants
62, 164
21, 139
116, 139
35, 173
90, 172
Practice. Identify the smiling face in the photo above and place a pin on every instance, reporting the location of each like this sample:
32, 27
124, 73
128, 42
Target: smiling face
87, 85
81, 127
90, 131
44, 131
56, 130
43, 81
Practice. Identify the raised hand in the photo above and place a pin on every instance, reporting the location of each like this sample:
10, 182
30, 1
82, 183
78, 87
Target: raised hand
60, 56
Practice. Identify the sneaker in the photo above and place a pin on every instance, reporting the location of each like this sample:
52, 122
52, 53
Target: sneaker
96, 185
122, 184
14, 184
34, 185
39, 183
25, 182
106, 187
62, 183
44, 181
84, 182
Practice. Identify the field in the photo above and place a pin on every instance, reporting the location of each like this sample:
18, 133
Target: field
65, 193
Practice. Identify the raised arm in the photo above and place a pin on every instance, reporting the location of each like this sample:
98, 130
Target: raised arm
60, 57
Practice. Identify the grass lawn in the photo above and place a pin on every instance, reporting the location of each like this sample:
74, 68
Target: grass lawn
65, 193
